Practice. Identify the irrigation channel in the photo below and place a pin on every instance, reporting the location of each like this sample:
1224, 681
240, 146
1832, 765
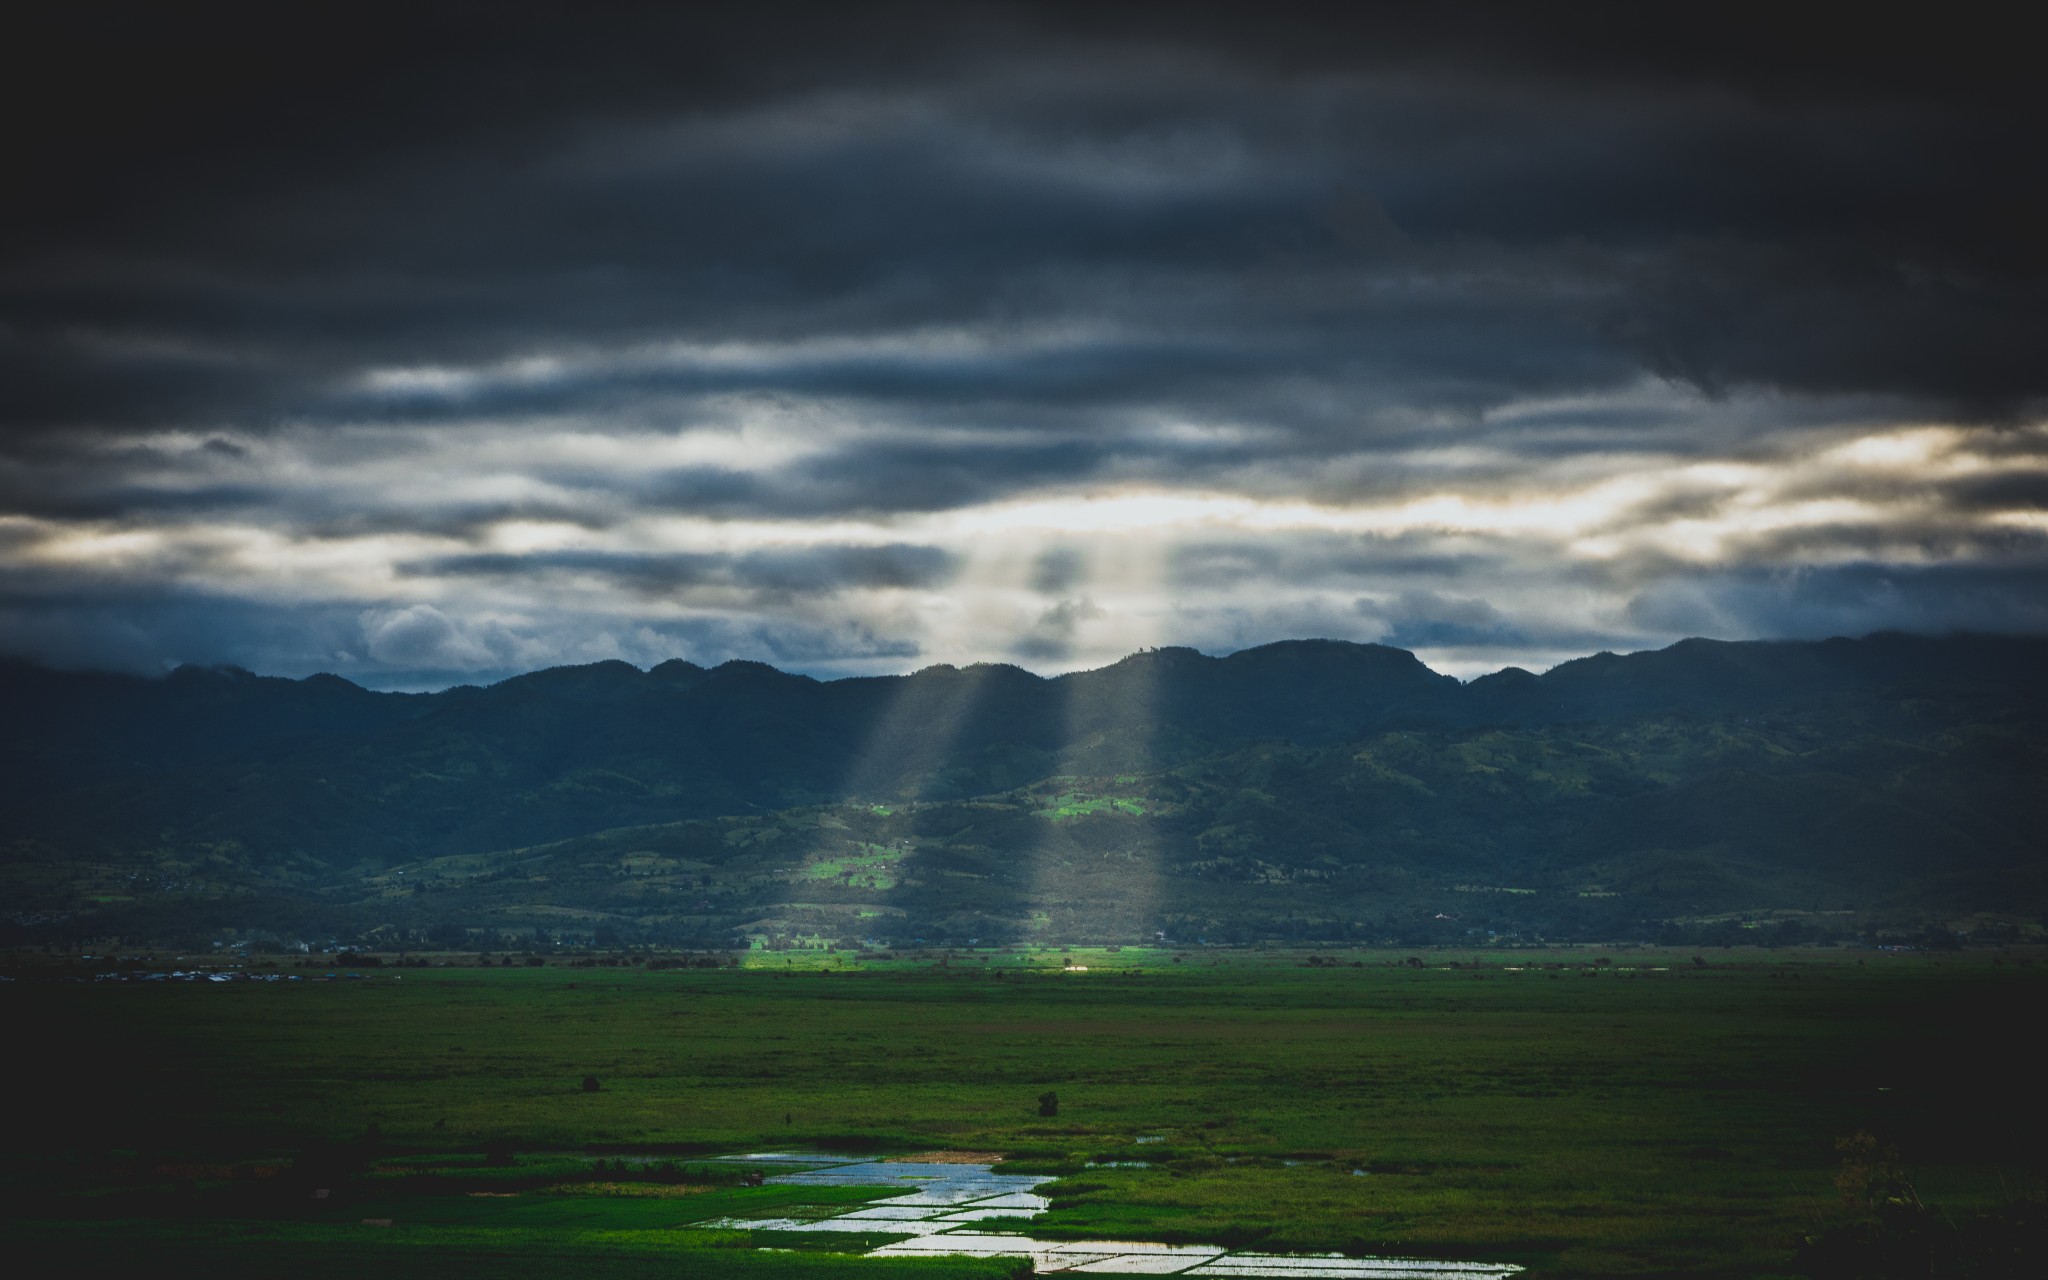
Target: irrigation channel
946, 1208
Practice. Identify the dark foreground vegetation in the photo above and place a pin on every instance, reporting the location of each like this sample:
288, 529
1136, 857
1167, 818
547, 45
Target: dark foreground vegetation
1624, 1112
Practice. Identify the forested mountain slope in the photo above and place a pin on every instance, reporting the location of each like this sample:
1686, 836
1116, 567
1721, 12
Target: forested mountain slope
1307, 789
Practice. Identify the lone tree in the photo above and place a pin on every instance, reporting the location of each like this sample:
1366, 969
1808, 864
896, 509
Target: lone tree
1048, 1103
590, 1084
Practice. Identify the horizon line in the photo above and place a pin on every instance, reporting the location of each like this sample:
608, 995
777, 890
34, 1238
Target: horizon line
455, 682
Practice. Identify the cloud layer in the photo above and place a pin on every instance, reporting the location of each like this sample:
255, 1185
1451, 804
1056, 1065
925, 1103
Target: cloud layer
424, 349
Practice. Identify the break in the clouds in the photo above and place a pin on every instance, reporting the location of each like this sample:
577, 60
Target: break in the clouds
440, 342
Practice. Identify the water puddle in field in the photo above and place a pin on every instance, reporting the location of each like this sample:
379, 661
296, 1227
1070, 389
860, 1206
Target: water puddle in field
960, 1208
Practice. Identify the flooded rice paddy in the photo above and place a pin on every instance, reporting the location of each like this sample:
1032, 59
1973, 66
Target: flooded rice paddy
960, 1208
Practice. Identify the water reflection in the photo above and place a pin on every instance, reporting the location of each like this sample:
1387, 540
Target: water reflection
948, 1208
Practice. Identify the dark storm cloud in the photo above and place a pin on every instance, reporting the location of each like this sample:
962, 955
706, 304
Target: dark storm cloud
1318, 558
392, 198
786, 571
1051, 636
1427, 619
149, 630
1900, 540
99, 501
875, 478
1852, 599
337, 294
2007, 491
1056, 569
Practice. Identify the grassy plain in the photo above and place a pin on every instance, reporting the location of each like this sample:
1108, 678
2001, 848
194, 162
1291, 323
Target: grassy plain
1580, 1112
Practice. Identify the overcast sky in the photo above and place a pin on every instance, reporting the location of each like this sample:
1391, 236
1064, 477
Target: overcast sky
434, 343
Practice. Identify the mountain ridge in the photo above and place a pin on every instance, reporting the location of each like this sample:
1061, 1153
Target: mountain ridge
1765, 764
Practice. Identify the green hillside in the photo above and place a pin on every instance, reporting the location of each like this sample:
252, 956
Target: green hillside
1303, 792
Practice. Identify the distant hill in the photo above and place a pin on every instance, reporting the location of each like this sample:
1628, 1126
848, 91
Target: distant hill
1308, 790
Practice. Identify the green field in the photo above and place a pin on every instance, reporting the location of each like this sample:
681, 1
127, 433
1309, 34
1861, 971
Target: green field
1628, 1112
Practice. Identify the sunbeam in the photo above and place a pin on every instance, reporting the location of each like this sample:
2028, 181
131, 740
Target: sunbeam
859, 873
1096, 866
